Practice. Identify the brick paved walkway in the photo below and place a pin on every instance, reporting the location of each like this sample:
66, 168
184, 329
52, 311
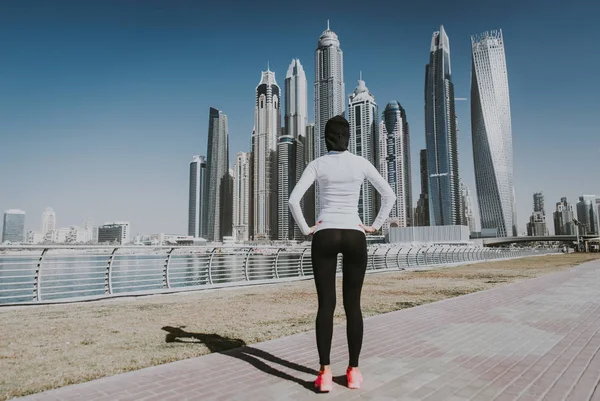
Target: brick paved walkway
538, 339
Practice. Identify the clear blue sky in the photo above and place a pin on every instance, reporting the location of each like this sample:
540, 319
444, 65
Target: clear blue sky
104, 103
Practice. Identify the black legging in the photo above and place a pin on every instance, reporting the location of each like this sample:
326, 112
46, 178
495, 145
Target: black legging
326, 245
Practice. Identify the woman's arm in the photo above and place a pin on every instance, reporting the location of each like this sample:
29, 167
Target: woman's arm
307, 179
387, 194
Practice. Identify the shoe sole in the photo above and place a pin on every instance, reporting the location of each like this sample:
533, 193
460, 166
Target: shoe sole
325, 389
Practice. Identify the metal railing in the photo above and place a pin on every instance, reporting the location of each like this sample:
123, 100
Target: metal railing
54, 273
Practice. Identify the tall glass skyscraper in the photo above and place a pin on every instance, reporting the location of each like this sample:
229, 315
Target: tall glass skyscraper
196, 197
422, 209
13, 229
217, 166
296, 100
288, 149
362, 117
492, 134
308, 144
267, 129
441, 136
293, 158
394, 161
329, 90
587, 215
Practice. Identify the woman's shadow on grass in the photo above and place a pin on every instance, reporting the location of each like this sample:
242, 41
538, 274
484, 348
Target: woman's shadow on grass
237, 348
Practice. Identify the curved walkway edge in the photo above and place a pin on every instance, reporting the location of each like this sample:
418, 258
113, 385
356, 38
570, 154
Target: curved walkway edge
533, 340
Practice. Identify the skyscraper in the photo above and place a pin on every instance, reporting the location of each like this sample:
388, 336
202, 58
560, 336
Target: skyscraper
241, 197
226, 206
422, 209
467, 205
296, 100
287, 166
538, 202
537, 221
267, 129
598, 211
441, 136
394, 161
48, 221
362, 117
217, 165
492, 134
308, 201
587, 214
329, 90
196, 197
13, 229
563, 218
296, 121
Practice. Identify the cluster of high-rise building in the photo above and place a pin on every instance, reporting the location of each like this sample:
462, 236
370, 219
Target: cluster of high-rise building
264, 177
582, 219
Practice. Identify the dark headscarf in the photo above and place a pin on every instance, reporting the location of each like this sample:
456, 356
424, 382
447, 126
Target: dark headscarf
337, 134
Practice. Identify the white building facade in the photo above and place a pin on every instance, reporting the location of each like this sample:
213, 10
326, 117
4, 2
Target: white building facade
267, 129
329, 90
467, 204
362, 117
48, 221
492, 134
241, 197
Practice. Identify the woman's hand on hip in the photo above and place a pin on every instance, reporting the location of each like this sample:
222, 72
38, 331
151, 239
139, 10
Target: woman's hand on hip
314, 228
368, 229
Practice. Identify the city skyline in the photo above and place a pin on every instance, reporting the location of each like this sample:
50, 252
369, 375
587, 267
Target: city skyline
139, 204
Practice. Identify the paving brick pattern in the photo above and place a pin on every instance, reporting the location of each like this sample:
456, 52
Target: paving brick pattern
534, 340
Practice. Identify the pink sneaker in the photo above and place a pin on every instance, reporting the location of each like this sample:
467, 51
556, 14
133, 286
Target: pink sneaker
354, 377
324, 382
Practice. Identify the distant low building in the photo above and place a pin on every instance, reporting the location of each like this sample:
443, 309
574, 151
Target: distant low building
454, 234
117, 232
34, 237
13, 229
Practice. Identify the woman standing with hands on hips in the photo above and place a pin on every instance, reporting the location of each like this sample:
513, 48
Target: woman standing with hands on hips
340, 175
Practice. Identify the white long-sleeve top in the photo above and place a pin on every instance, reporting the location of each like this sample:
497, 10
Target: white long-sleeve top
340, 177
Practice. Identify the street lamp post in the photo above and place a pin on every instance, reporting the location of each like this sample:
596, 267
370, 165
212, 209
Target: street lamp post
576, 222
